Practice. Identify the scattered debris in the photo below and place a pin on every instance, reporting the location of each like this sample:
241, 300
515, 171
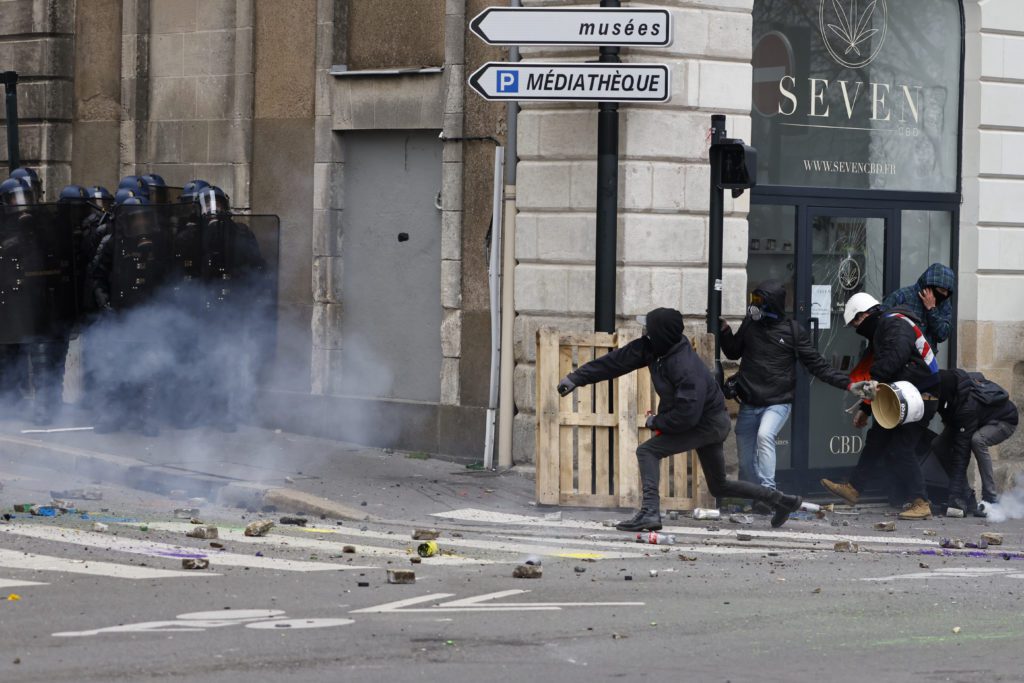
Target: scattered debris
416, 559
100, 527
24, 507
628, 577
653, 573
13, 597
992, 538
619, 636
363, 584
217, 546
579, 570
185, 513
954, 543
143, 527
528, 571
740, 536
738, 518
401, 576
78, 494
43, 511
205, 532
706, 513
610, 522
425, 534
885, 526
924, 565
980, 545
687, 558
348, 549
673, 515
654, 538
427, 549
553, 516
260, 527
294, 521
956, 629
929, 532
195, 563
816, 591
954, 512
846, 547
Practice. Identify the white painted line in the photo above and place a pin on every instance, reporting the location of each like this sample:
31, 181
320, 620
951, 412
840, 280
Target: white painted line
164, 550
291, 541
488, 517
629, 541
15, 583
398, 604
951, 573
12, 559
481, 603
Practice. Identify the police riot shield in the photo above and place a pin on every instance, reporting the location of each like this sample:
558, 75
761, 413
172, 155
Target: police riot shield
141, 264
38, 284
235, 269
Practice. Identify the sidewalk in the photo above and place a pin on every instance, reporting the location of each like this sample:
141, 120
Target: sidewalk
258, 467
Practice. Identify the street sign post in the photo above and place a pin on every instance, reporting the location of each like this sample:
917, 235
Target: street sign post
573, 26
561, 82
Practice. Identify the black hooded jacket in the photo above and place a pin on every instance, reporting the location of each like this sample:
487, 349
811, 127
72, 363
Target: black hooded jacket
686, 389
769, 349
897, 357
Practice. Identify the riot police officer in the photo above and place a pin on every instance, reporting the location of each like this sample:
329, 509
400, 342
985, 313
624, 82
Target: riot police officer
16, 196
159, 193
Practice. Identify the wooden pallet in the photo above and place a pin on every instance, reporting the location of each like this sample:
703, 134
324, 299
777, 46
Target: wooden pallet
587, 441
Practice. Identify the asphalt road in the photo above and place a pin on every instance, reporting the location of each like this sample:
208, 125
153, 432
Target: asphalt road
783, 606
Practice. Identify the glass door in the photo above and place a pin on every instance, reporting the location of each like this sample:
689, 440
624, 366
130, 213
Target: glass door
843, 252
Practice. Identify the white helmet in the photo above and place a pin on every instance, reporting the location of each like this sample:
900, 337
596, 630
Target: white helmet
857, 304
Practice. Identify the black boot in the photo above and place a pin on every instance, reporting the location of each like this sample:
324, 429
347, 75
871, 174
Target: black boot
784, 505
644, 520
761, 508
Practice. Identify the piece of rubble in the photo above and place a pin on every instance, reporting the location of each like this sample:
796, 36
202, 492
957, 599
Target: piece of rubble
43, 511
992, 538
260, 527
204, 532
416, 559
401, 576
195, 563
100, 527
980, 545
579, 570
24, 507
738, 518
687, 558
956, 629
954, 543
195, 520
217, 546
553, 516
924, 565
363, 584
348, 549
425, 534
185, 513
740, 536
954, 512
294, 521
928, 532
885, 526
527, 571
653, 573
846, 547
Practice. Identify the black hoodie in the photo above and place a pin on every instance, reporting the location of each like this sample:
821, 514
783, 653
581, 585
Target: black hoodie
686, 390
769, 349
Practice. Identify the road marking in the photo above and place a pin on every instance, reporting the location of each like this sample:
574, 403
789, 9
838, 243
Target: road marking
15, 583
165, 550
953, 573
480, 603
486, 516
197, 622
13, 559
236, 536
299, 624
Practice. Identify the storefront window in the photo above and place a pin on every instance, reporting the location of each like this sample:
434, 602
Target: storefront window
927, 238
857, 94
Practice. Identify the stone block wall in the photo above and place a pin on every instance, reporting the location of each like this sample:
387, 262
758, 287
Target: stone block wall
991, 296
663, 192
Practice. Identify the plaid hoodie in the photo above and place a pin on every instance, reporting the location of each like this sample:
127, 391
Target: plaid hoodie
936, 324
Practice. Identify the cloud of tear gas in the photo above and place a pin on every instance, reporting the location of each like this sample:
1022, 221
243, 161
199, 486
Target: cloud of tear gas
1010, 505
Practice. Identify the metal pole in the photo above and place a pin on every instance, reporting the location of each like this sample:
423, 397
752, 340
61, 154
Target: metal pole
10, 79
716, 219
607, 202
494, 282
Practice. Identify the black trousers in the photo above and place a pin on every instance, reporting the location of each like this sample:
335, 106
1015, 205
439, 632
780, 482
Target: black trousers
896, 450
707, 438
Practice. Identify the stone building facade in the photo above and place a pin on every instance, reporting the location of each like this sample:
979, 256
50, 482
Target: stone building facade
350, 119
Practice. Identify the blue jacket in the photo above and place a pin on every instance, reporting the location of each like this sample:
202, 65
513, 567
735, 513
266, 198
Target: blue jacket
936, 324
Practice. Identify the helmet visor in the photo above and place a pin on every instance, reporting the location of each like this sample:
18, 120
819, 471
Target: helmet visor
211, 203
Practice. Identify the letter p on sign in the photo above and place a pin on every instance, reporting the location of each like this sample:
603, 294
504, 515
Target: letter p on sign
508, 81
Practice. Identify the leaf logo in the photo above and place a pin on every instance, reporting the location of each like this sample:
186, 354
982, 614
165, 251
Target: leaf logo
853, 32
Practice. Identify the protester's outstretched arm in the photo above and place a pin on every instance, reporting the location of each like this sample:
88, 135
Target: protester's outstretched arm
816, 364
632, 356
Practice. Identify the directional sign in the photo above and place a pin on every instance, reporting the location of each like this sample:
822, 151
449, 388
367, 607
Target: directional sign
564, 26
596, 82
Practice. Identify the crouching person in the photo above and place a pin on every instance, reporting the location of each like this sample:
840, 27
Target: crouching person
691, 416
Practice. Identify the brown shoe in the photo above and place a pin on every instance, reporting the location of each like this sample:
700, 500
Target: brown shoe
921, 509
844, 491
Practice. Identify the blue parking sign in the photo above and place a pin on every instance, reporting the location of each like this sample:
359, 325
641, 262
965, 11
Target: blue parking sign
508, 81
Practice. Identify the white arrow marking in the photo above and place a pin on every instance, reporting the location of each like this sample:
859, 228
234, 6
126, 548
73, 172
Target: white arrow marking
43, 563
474, 604
13, 583
398, 604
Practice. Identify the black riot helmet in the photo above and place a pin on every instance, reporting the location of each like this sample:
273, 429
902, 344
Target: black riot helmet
101, 197
73, 194
16, 195
191, 189
136, 184
31, 179
159, 193
135, 218
213, 202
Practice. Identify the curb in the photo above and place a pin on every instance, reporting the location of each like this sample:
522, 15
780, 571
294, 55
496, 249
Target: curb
160, 479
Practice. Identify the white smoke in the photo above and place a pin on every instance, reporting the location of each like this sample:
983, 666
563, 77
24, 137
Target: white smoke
1010, 505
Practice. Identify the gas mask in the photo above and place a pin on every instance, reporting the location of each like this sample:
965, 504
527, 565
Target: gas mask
758, 309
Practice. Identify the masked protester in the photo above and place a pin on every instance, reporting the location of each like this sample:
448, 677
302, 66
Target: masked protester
929, 302
977, 413
691, 415
897, 351
770, 344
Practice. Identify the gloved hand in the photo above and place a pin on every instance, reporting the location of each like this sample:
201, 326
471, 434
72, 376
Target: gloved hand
565, 387
723, 324
860, 419
650, 421
865, 391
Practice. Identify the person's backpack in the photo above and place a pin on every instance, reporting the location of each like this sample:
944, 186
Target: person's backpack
985, 391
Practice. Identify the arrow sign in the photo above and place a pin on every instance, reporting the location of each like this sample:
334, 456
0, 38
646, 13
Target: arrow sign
563, 26
597, 82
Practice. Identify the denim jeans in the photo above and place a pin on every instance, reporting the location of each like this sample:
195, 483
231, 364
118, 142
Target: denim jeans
989, 435
756, 429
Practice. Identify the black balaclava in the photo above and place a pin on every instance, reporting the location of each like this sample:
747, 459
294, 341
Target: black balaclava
664, 329
867, 328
